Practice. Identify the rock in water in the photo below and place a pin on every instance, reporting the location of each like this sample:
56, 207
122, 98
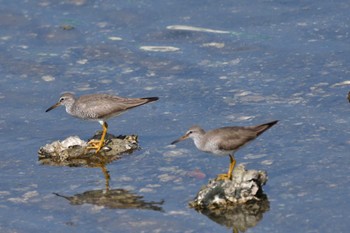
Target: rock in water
73, 151
245, 185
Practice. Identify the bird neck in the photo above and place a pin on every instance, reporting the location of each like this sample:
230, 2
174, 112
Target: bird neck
69, 107
198, 141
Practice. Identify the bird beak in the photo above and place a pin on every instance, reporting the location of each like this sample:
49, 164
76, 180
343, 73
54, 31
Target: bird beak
180, 139
53, 106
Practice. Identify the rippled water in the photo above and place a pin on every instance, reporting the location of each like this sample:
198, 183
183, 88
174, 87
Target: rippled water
212, 64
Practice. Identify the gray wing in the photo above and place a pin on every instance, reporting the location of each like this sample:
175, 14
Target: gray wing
232, 138
104, 106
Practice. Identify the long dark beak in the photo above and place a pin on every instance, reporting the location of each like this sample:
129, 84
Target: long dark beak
53, 106
180, 139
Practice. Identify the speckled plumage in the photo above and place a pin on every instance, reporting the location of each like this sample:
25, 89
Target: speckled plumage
99, 107
224, 141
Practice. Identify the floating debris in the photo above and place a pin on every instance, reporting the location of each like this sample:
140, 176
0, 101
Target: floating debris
344, 83
195, 29
197, 173
159, 48
114, 38
48, 78
67, 27
82, 61
214, 44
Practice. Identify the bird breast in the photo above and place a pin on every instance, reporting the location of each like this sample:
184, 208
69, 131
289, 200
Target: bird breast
210, 146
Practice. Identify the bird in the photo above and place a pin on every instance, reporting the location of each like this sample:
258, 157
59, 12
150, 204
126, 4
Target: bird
224, 141
98, 107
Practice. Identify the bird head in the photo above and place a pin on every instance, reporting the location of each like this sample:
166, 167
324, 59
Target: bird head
66, 99
193, 132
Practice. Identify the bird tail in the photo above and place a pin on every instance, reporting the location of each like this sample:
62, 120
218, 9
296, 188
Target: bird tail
135, 102
150, 99
262, 128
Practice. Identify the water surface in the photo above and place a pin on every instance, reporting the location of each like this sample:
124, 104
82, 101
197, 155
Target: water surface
234, 63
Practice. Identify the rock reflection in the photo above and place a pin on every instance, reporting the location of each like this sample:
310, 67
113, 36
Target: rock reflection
71, 152
239, 217
113, 199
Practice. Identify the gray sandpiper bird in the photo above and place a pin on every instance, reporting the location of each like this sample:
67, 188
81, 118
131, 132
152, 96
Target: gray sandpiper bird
224, 141
98, 107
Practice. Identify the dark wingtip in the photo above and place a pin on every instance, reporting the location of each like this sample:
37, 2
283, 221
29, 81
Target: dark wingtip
151, 99
262, 128
272, 123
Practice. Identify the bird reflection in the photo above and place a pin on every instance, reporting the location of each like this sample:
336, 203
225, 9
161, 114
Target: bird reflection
113, 199
107, 177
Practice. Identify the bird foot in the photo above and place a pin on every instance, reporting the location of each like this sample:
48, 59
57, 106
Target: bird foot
95, 144
223, 177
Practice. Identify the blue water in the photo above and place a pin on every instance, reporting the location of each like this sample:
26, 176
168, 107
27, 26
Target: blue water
285, 60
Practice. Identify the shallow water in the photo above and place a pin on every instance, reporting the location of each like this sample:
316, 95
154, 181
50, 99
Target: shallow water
240, 63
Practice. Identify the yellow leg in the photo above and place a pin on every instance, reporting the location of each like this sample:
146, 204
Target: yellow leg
230, 169
232, 165
99, 144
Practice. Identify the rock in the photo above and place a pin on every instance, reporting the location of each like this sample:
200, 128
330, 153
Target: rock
238, 203
245, 185
73, 151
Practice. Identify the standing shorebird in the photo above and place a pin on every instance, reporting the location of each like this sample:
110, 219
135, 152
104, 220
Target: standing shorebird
224, 141
98, 107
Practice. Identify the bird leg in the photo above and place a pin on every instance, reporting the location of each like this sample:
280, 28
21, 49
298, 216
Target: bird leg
232, 165
230, 169
99, 144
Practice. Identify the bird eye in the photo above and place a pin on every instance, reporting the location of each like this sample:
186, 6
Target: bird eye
61, 99
189, 132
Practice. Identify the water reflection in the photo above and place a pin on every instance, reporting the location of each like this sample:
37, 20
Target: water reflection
239, 217
74, 156
113, 199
